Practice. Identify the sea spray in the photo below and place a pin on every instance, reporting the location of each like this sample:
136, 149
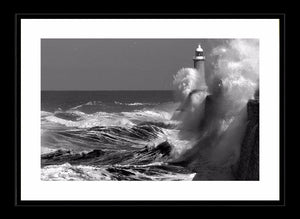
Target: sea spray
219, 117
187, 82
237, 66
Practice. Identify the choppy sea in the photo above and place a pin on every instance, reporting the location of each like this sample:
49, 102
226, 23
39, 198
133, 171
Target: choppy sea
110, 135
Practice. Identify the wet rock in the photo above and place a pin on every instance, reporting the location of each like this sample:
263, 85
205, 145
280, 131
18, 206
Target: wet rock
164, 148
248, 166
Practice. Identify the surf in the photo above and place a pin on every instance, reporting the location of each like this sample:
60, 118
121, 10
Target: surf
147, 138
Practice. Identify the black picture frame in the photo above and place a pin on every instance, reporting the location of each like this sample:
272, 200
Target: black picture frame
173, 203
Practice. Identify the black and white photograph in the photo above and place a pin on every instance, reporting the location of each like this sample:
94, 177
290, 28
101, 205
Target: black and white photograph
149, 109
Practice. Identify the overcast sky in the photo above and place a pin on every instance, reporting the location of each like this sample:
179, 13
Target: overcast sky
114, 64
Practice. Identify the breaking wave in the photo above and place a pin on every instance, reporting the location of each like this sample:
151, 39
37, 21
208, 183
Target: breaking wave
131, 140
92, 173
218, 116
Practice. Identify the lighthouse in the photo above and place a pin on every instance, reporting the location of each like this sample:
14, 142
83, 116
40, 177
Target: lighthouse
199, 60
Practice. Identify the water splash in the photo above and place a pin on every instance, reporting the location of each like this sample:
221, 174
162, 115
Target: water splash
217, 119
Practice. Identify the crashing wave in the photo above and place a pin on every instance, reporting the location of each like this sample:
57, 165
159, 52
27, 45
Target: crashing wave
97, 137
147, 163
70, 119
91, 173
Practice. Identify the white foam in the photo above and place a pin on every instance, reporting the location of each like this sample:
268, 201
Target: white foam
97, 119
45, 113
67, 172
180, 141
148, 115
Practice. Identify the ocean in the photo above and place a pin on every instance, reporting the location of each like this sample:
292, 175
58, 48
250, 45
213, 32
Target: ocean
110, 135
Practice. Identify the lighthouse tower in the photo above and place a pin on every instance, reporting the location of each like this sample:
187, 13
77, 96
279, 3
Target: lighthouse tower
199, 59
